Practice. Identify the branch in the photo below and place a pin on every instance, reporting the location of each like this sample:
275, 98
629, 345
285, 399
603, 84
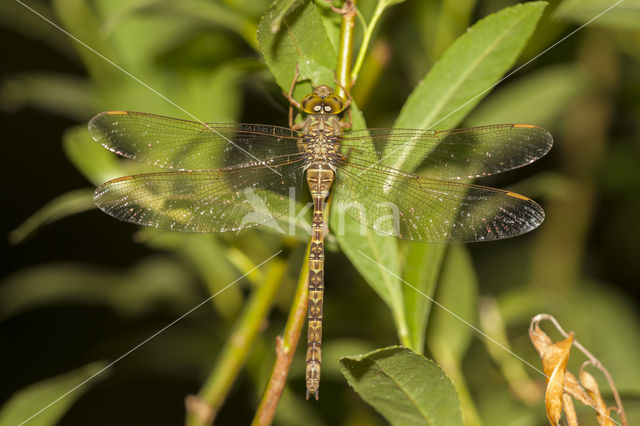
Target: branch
203, 408
285, 349
346, 46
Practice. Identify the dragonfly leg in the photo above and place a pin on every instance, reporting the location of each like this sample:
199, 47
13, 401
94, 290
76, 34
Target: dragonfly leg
347, 101
347, 7
345, 124
289, 96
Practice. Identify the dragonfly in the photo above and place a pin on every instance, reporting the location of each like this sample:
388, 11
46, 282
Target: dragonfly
411, 184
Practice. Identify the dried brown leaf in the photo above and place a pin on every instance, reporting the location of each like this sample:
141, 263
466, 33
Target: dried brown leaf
573, 388
554, 362
591, 386
569, 410
562, 386
540, 340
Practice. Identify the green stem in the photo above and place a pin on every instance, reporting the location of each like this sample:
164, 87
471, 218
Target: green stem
374, 63
346, 46
285, 349
447, 361
368, 33
202, 409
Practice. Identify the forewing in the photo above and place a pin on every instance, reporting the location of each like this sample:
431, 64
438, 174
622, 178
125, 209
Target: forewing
421, 209
449, 154
204, 201
187, 145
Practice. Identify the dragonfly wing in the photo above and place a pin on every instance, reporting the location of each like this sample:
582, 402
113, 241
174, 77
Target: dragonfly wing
206, 201
421, 209
450, 154
187, 145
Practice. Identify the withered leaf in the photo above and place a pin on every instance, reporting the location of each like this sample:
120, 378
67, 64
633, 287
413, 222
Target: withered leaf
555, 357
591, 386
569, 410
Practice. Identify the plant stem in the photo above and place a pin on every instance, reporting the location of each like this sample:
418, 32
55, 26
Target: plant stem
374, 64
346, 46
285, 349
202, 409
448, 362
368, 33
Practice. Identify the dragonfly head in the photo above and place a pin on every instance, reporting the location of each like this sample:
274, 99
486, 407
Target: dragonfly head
322, 101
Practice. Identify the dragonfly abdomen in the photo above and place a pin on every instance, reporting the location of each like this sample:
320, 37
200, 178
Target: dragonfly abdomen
319, 179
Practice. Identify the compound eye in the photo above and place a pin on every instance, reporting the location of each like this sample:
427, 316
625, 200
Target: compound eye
320, 104
333, 104
311, 104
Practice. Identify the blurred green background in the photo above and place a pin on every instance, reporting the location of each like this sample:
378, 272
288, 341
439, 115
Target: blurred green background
79, 288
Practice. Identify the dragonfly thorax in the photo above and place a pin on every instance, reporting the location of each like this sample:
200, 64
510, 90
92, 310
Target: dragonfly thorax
320, 141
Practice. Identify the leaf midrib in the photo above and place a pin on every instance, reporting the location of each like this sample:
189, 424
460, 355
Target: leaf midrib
408, 395
465, 76
454, 88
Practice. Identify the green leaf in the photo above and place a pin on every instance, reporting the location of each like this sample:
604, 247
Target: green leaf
389, 3
440, 23
519, 102
218, 14
376, 258
213, 95
80, 20
302, 42
624, 15
421, 271
469, 68
18, 18
121, 25
333, 350
44, 403
95, 162
406, 388
374, 255
448, 335
61, 94
64, 205
152, 283
198, 250
281, 10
